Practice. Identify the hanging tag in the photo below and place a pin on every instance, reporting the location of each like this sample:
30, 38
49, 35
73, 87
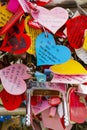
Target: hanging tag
33, 33
11, 102
52, 19
82, 54
48, 53
5, 15
12, 78
52, 123
16, 44
13, 5
70, 67
69, 79
77, 109
75, 31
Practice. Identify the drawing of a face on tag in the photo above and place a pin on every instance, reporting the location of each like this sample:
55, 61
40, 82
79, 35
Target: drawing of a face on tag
12, 78
33, 33
5, 15
48, 53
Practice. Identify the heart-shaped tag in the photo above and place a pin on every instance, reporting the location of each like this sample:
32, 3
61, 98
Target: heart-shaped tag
33, 33
71, 67
5, 15
12, 78
76, 37
13, 5
16, 44
52, 19
11, 102
48, 53
77, 109
69, 79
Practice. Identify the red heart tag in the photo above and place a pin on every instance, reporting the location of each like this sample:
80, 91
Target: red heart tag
54, 101
75, 31
11, 102
76, 107
16, 44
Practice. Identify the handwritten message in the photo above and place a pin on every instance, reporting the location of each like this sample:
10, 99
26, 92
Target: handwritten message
69, 79
48, 53
12, 78
5, 15
52, 19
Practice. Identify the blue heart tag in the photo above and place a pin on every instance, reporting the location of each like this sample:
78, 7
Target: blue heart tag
48, 53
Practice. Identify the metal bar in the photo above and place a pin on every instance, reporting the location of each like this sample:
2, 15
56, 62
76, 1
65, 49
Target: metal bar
19, 111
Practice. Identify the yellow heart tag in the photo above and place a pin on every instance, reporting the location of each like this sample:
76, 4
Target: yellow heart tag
5, 15
33, 33
69, 68
85, 41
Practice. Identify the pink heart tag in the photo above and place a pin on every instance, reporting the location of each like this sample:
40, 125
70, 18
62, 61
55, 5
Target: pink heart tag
13, 5
52, 19
12, 78
52, 123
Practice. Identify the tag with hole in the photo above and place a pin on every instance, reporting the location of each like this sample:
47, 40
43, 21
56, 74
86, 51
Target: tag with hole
48, 53
5, 15
33, 33
12, 78
52, 19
